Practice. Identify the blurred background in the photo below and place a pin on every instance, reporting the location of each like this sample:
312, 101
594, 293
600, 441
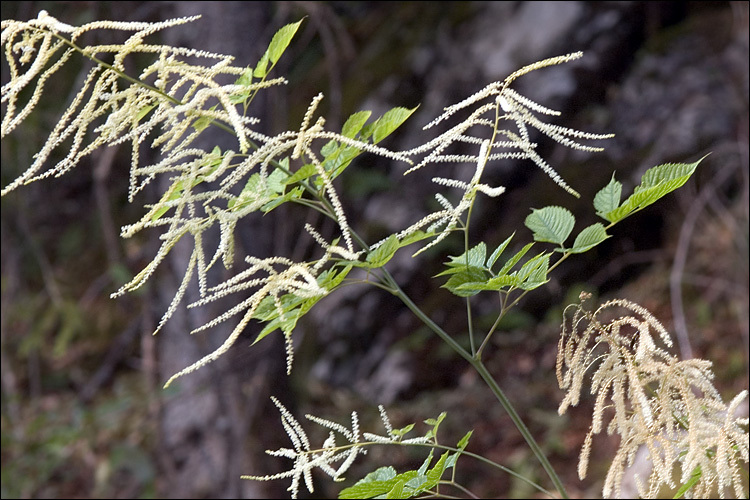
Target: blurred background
84, 414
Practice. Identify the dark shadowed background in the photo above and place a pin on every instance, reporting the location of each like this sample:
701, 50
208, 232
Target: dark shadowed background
83, 411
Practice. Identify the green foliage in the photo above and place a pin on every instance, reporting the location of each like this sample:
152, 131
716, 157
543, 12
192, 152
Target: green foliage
300, 166
656, 183
551, 224
386, 483
273, 53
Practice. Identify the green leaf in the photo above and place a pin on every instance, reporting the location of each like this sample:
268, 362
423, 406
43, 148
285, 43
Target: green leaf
275, 180
172, 194
464, 440
667, 172
551, 224
397, 491
337, 158
465, 275
245, 80
389, 122
278, 45
531, 265
329, 148
281, 40
533, 274
294, 307
608, 198
385, 483
142, 113
204, 121
304, 172
498, 251
354, 123
426, 464
495, 284
694, 478
384, 253
436, 421
251, 191
514, 260
474, 257
434, 474
280, 200
641, 199
589, 238
399, 433
414, 237
656, 183
377, 482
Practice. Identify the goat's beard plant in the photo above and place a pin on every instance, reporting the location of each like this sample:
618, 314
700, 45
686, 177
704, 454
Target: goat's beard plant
171, 102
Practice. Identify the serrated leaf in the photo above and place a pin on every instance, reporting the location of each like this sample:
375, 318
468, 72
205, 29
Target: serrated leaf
474, 257
451, 462
550, 224
643, 198
354, 123
245, 80
514, 260
375, 483
381, 255
337, 158
531, 265
171, 194
465, 275
667, 172
329, 148
204, 121
402, 431
434, 474
389, 122
436, 421
332, 278
304, 172
414, 237
293, 306
275, 180
498, 251
280, 200
397, 491
495, 284
656, 183
251, 191
276, 48
608, 198
281, 39
589, 238
261, 69
423, 468
464, 440
537, 275
415, 484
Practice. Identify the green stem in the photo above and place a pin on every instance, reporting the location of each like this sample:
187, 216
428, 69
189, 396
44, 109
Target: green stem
495, 388
486, 376
505, 307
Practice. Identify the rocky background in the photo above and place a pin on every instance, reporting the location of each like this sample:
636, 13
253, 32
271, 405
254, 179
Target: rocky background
83, 412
